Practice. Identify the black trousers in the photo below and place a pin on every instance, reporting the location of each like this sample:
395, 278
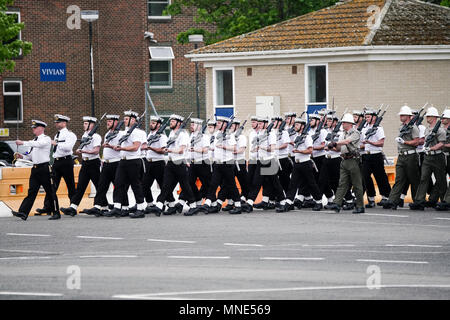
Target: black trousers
128, 173
303, 178
154, 171
90, 170
107, 176
223, 175
242, 176
269, 182
202, 171
374, 164
329, 176
284, 174
175, 173
40, 176
62, 168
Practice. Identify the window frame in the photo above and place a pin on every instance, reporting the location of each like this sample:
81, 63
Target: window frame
217, 106
307, 103
13, 94
168, 17
8, 12
170, 86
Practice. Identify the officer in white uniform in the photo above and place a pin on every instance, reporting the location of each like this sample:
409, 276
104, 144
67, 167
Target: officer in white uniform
39, 154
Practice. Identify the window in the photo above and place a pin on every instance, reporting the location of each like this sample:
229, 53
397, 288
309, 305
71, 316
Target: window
17, 20
161, 67
12, 101
223, 88
156, 9
317, 84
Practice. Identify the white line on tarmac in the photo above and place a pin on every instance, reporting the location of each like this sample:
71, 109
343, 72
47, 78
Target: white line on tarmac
199, 257
27, 251
392, 261
291, 258
40, 294
23, 258
110, 256
385, 215
413, 245
243, 244
152, 295
28, 234
441, 218
328, 245
174, 241
101, 238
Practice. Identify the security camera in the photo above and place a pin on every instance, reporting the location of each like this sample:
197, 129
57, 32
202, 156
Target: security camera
150, 36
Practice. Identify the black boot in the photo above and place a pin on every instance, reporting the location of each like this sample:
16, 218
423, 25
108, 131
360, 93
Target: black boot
228, 207
283, 208
317, 207
442, 206
382, 202
171, 210
401, 203
335, 207
390, 205
371, 204
348, 206
69, 211
94, 211
298, 204
270, 206
42, 211
247, 208
308, 204
115, 212
192, 211
149, 208
236, 210
124, 213
260, 205
137, 214
417, 206
430, 204
358, 210
20, 215
55, 216
214, 209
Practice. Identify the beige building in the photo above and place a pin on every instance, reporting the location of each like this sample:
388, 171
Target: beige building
356, 53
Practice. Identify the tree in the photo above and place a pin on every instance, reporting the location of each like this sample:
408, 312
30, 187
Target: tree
235, 17
10, 44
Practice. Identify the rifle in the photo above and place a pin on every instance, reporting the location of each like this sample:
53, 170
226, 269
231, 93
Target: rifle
266, 134
316, 134
131, 129
52, 183
115, 132
361, 125
370, 132
332, 135
408, 126
239, 131
198, 137
433, 133
302, 136
155, 137
182, 126
222, 135
87, 140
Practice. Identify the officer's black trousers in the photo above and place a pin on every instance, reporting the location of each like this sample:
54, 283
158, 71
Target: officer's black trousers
40, 176
223, 174
202, 171
284, 174
90, 170
107, 176
329, 176
266, 176
62, 168
242, 176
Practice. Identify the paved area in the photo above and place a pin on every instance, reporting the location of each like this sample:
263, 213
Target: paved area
262, 255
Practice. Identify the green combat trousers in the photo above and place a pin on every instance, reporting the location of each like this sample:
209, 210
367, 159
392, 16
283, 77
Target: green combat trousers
350, 175
407, 171
432, 164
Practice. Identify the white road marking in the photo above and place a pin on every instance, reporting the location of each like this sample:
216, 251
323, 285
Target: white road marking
110, 256
199, 257
413, 245
385, 215
23, 258
101, 238
160, 294
439, 218
174, 241
28, 251
243, 244
328, 245
40, 294
28, 234
290, 258
392, 261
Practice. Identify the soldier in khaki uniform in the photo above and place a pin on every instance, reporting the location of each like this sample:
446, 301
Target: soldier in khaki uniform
445, 204
350, 173
407, 170
433, 163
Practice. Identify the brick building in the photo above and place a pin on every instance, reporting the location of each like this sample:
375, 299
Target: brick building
121, 59
355, 53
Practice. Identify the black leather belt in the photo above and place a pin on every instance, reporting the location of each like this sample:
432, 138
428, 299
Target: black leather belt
63, 158
40, 165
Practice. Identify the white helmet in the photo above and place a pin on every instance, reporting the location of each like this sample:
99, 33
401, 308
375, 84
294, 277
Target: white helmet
405, 111
348, 117
446, 114
432, 112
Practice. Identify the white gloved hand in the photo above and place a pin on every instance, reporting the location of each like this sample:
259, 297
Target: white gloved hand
427, 149
400, 140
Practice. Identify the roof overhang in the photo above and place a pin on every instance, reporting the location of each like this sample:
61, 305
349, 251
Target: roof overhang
338, 54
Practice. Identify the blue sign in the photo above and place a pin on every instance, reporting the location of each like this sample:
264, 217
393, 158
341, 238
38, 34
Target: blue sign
224, 112
52, 71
